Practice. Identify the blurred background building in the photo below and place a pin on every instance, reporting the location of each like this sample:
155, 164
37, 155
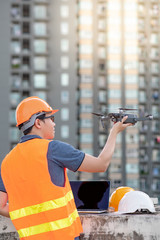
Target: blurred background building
86, 56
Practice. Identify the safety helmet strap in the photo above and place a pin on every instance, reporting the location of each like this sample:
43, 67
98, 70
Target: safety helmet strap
31, 121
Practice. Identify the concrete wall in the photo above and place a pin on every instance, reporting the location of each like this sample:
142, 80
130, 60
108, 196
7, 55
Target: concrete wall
105, 227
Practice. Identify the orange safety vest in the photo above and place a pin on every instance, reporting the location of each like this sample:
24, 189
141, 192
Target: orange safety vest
38, 209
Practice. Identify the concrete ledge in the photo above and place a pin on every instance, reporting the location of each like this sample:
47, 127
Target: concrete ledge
121, 227
105, 227
7, 230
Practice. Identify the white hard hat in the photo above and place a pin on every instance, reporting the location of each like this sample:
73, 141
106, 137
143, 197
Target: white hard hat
135, 201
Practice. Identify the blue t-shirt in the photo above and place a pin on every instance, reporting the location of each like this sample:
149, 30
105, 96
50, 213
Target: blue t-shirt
60, 155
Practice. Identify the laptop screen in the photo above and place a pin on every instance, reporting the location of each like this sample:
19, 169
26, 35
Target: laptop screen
91, 194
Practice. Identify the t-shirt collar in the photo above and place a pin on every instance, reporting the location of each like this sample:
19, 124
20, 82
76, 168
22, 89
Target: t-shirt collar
28, 137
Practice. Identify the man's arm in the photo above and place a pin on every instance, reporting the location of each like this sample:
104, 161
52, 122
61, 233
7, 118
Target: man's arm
101, 163
3, 204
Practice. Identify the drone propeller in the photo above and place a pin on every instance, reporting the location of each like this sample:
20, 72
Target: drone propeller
127, 109
98, 114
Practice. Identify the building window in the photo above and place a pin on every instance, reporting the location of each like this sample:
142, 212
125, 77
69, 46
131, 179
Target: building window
155, 81
85, 20
131, 79
40, 81
114, 50
14, 134
132, 168
15, 47
117, 153
102, 53
114, 93
85, 49
115, 168
86, 108
16, 29
15, 12
25, 84
87, 150
102, 81
26, 28
86, 138
25, 63
102, 95
154, 52
114, 64
131, 50
141, 67
101, 24
86, 79
41, 94
85, 5
64, 62
40, 46
86, 123
114, 78
85, 63
114, 6
12, 117
64, 11
64, 114
85, 34
64, 28
40, 63
64, 131
15, 62
154, 38
65, 97
26, 46
15, 81
86, 93
64, 45
142, 96
64, 79
155, 67
133, 183
155, 155
131, 94
101, 38
131, 65
26, 10
40, 12
40, 29
102, 140
14, 99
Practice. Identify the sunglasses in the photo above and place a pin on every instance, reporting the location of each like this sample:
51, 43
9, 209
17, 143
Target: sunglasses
45, 117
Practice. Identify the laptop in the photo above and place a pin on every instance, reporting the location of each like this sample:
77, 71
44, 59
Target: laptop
91, 196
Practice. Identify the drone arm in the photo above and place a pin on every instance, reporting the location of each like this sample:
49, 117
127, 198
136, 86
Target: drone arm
150, 117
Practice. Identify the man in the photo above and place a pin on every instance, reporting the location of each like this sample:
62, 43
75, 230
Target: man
41, 204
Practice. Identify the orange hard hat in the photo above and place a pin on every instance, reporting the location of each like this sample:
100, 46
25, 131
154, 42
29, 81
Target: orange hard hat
117, 195
30, 106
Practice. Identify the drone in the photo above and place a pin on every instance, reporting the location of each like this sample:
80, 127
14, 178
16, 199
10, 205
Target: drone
117, 117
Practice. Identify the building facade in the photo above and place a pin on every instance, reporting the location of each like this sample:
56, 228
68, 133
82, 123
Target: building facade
86, 56
149, 98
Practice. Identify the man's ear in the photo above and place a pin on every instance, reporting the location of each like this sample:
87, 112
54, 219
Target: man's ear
38, 123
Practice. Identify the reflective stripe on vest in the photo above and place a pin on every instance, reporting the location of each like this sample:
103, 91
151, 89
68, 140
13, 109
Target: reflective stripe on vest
49, 205
51, 226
